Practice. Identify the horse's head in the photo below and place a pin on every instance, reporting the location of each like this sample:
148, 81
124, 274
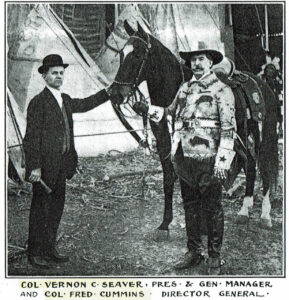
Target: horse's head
133, 69
148, 60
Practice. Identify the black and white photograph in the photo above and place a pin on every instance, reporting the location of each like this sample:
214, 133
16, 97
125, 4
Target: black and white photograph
145, 139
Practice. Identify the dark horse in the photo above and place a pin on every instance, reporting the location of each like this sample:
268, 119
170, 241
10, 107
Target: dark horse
153, 62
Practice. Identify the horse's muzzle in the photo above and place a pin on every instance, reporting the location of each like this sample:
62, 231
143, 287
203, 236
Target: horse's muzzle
116, 98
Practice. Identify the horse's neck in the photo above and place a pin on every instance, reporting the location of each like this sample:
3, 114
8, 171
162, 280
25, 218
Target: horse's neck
163, 86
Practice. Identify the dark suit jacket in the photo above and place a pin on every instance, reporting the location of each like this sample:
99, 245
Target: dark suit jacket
43, 141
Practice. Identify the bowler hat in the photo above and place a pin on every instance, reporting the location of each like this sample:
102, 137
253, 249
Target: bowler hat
52, 60
203, 49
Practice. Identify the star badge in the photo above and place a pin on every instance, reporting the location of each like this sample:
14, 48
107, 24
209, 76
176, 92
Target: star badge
223, 158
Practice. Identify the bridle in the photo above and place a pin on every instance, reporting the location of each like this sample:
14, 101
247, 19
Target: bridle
147, 50
135, 94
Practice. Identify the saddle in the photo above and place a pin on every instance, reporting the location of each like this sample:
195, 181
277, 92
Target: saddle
248, 94
253, 96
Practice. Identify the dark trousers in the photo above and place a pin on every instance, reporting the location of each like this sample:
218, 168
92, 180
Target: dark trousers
45, 214
202, 195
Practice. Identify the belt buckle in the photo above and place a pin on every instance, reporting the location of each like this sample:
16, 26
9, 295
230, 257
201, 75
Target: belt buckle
179, 125
189, 125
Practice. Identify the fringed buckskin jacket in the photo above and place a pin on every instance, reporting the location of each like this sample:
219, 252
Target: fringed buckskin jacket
204, 120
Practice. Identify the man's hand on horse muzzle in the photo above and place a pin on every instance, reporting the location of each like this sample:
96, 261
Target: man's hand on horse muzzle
115, 98
141, 108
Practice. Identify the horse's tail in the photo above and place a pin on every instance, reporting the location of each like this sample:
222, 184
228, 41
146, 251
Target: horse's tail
268, 158
268, 155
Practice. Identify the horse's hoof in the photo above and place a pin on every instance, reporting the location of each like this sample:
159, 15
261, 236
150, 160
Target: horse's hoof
242, 219
265, 223
159, 235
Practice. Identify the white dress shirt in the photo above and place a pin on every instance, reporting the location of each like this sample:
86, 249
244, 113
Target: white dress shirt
57, 95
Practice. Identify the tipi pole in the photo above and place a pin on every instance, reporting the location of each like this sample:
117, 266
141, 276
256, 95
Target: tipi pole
266, 29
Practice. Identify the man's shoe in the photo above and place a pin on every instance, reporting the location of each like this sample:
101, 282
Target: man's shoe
57, 257
38, 261
214, 266
191, 259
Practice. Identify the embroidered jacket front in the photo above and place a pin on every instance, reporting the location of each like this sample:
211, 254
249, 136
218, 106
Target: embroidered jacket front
204, 117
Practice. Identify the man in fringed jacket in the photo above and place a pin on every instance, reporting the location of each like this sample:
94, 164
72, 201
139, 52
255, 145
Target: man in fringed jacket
203, 115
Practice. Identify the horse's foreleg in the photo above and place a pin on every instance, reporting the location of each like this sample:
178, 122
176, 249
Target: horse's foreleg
161, 132
162, 232
243, 214
168, 186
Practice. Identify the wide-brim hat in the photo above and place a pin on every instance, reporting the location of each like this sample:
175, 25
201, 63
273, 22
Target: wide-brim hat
202, 49
52, 60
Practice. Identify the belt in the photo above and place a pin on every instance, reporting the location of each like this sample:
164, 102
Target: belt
204, 123
203, 157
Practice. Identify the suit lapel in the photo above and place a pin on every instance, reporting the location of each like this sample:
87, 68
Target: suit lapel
53, 103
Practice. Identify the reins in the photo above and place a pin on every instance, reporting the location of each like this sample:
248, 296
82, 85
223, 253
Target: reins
135, 94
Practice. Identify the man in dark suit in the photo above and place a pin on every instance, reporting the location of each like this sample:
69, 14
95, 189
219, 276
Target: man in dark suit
51, 157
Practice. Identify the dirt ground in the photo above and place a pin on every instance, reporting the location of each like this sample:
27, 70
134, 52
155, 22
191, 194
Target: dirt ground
106, 226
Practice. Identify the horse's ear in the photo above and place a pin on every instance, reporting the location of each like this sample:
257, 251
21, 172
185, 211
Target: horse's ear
128, 28
142, 33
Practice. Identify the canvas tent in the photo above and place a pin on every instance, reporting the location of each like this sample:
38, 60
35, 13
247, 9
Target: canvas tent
43, 33
178, 26
15, 131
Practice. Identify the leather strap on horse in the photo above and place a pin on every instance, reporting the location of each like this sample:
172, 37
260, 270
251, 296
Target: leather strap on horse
125, 123
120, 52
